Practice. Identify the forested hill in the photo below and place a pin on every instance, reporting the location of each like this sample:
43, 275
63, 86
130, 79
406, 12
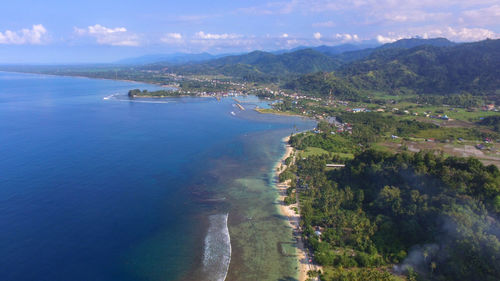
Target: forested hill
354, 55
433, 216
425, 69
321, 84
415, 42
260, 65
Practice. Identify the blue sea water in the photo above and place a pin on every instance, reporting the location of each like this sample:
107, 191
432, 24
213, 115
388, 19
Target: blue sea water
114, 189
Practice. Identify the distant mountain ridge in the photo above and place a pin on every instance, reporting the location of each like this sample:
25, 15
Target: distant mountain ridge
341, 54
260, 65
175, 58
415, 42
423, 69
351, 56
331, 50
472, 67
182, 58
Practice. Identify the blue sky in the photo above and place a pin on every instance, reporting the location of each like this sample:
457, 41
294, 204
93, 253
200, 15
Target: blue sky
55, 31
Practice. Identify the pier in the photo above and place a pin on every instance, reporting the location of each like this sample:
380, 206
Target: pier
240, 106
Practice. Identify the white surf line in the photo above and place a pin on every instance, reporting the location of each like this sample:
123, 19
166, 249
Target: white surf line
110, 96
226, 230
140, 101
217, 254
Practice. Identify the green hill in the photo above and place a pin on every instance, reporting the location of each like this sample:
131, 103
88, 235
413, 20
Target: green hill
471, 67
424, 69
260, 65
324, 84
360, 54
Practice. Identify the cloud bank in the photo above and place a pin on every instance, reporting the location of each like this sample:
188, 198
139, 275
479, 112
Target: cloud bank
36, 35
118, 36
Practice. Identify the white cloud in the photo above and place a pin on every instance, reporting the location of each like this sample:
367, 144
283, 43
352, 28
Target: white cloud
483, 16
271, 8
215, 36
317, 35
36, 35
202, 41
118, 36
172, 38
238, 42
454, 34
292, 43
479, 13
175, 35
346, 37
405, 16
462, 34
324, 24
101, 30
388, 39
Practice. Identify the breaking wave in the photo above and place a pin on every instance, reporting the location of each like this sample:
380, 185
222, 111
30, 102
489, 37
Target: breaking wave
217, 254
109, 97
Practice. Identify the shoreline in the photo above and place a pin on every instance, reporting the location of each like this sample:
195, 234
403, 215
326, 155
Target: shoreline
87, 77
303, 264
278, 113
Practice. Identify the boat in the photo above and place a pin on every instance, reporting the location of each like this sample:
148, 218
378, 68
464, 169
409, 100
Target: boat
108, 97
232, 113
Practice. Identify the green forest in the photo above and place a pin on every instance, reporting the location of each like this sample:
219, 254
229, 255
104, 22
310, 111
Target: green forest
424, 215
466, 69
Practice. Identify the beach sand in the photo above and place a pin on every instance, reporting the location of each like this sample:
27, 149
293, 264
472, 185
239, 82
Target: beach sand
293, 218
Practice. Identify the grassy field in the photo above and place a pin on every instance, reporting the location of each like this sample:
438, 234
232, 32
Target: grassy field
310, 151
452, 112
333, 273
273, 111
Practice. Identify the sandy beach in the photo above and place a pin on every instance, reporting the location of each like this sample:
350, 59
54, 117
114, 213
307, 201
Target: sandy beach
293, 218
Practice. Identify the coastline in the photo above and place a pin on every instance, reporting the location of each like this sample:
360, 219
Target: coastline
267, 111
303, 264
86, 77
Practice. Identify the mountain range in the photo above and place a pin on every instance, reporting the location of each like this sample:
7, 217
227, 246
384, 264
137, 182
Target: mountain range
441, 68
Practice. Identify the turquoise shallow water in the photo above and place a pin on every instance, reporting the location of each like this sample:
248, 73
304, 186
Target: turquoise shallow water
110, 189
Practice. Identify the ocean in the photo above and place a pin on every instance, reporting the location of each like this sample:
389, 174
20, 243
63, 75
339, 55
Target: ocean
95, 186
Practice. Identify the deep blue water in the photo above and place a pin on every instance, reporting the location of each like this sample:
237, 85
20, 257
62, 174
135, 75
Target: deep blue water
95, 189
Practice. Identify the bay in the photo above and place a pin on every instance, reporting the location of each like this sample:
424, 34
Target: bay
94, 186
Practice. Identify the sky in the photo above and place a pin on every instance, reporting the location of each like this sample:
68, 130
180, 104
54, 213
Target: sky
90, 31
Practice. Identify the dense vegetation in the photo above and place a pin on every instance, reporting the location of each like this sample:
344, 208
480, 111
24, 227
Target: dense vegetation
434, 217
432, 214
263, 66
324, 84
492, 121
465, 100
351, 55
410, 66
471, 67
424, 215
431, 69
367, 128
160, 93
